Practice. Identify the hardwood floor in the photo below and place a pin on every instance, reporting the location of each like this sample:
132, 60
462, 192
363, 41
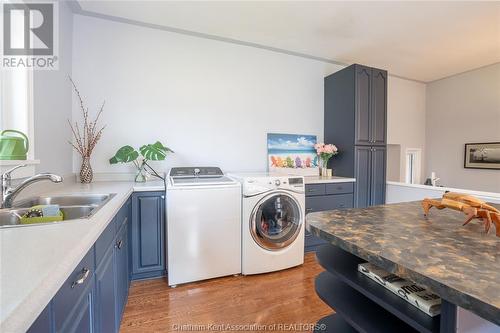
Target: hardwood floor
266, 301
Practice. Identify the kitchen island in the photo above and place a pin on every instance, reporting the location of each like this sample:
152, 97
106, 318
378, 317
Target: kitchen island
461, 264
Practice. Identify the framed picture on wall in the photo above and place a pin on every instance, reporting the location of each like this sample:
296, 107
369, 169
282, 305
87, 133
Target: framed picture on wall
292, 154
482, 155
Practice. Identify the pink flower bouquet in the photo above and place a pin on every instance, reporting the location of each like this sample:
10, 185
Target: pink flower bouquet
325, 152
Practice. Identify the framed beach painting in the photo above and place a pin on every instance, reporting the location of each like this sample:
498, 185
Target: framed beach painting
482, 155
292, 154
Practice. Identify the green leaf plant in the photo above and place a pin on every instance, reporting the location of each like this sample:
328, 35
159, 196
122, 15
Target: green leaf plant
150, 152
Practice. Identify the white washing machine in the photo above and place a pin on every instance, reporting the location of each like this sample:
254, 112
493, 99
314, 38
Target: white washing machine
273, 216
203, 225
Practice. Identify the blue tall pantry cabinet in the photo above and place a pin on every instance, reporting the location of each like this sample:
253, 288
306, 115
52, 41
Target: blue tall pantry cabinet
356, 121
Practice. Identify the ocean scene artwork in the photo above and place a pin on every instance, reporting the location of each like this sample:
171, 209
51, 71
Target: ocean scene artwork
292, 154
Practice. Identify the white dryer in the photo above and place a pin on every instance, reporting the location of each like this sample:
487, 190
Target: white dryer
273, 215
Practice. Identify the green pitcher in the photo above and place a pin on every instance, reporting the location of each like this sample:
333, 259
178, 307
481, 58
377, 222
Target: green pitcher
13, 147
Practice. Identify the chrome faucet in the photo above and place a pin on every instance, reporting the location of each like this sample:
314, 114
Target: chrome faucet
9, 193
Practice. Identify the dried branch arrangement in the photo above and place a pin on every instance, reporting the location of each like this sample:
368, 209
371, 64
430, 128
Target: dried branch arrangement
87, 137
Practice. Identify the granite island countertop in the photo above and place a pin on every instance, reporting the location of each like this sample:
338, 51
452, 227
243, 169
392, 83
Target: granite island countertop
460, 263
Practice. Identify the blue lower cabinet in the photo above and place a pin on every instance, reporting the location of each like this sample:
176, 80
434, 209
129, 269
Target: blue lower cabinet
322, 197
44, 322
148, 235
82, 318
105, 294
76, 293
122, 271
93, 298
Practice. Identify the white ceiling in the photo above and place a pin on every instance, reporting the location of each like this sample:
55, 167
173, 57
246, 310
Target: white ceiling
419, 40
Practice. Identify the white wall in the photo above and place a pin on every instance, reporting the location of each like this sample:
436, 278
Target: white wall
462, 109
394, 162
211, 102
406, 119
52, 104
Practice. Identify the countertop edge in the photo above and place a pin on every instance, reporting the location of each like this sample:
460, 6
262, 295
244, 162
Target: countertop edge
310, 180
450, 294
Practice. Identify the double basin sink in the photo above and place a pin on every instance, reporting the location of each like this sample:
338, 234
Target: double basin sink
73, 207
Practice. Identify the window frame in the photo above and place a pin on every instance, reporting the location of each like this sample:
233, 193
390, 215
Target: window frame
413, 172
30, 133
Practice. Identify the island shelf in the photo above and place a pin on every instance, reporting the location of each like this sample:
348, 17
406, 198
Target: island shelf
364, 304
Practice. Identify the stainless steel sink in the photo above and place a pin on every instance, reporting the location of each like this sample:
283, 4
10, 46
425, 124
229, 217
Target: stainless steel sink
72, 206
65, 200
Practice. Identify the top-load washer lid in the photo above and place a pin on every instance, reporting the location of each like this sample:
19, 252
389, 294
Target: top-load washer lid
199, 172
193, 176
202, 181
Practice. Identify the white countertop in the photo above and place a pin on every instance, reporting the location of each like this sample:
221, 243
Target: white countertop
35, 261
440, 190
323, 180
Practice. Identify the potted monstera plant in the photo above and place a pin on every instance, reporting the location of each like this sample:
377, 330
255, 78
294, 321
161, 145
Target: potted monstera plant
151, 152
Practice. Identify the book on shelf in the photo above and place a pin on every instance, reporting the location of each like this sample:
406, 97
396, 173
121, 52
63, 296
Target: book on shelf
414, 294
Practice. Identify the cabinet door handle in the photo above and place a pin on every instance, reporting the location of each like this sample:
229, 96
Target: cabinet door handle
308, 210
84, 274
119, 244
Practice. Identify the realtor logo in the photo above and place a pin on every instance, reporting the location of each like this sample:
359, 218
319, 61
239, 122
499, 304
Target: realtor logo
29, 35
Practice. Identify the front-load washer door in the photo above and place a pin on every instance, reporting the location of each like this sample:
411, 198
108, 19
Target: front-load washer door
276, 221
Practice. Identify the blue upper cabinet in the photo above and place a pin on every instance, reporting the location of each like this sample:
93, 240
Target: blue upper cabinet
148, 235
362, 104
378, 107
370, 105
356, 106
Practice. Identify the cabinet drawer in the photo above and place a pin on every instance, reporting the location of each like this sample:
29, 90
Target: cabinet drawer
104, 241
315, 189
339, 188
73, 289
328, 202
